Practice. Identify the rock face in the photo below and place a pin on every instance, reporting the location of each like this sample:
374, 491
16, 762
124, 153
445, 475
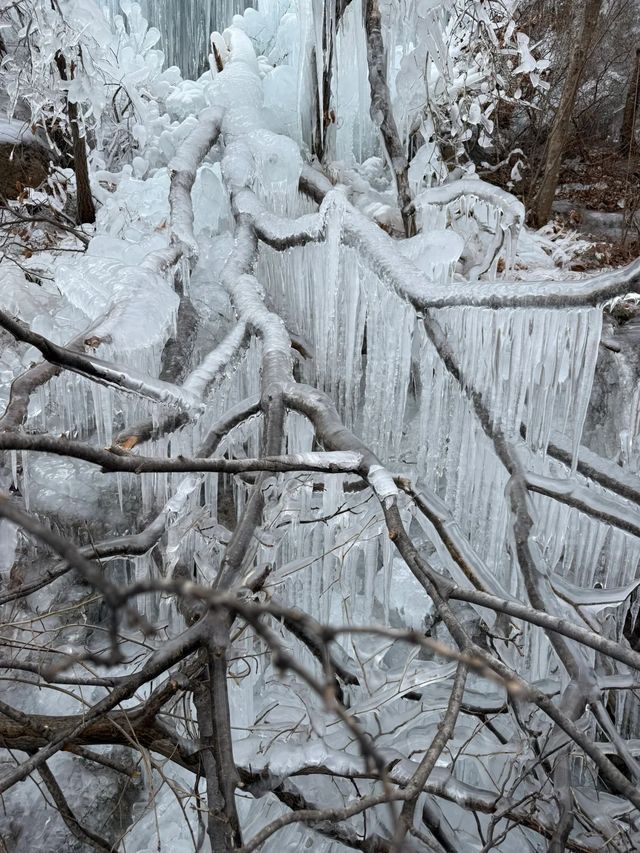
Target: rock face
612, 427
21, 165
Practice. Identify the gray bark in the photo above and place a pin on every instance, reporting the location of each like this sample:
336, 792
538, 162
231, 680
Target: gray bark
585, 25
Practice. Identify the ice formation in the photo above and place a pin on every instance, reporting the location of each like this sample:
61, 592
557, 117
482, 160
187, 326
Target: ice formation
357, 298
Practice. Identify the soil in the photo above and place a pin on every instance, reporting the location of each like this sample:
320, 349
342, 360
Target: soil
21, 166
604, 180
598, 195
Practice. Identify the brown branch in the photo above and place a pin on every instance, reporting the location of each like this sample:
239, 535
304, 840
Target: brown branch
294, 800
320, 815
445, 732
84, 835
84, 198
170, 654
514, 683
113, 460
382, 111
212, 710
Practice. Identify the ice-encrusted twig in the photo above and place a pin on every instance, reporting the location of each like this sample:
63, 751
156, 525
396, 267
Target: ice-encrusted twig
557, 624
572, 493
183, 169
595, 291
195, 386
446, 194
276, 344
233, 417
277, 231
380, 252
415, 784
330, 816
382, 111
338, 462
454, 540
309, 632
24, 385
98, 370
66, 550
596, 468
333, 434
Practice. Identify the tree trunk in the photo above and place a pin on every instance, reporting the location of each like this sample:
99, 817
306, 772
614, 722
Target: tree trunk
586, 22
324, 115
631, 109
382, 112
86, 211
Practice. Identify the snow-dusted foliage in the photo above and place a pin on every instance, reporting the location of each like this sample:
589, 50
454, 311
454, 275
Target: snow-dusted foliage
345, 575
114, 74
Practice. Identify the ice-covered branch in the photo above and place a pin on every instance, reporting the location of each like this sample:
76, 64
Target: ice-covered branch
233, 417
587, 500
110, 460
277, 369
311, 633
72, 555
183, 169
458, 546
195, 386
445, 194
415, 785
332, 433
35, 377
312, 816
382, 110
103, 372
535, 579
560, 625
380, 252
22, 388
277, 231
130, 545
613, 477
505, 217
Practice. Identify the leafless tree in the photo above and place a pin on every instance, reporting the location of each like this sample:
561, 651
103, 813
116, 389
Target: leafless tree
585, 25
631, 108
85, 205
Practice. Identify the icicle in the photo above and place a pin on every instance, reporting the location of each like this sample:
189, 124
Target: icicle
14, 468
